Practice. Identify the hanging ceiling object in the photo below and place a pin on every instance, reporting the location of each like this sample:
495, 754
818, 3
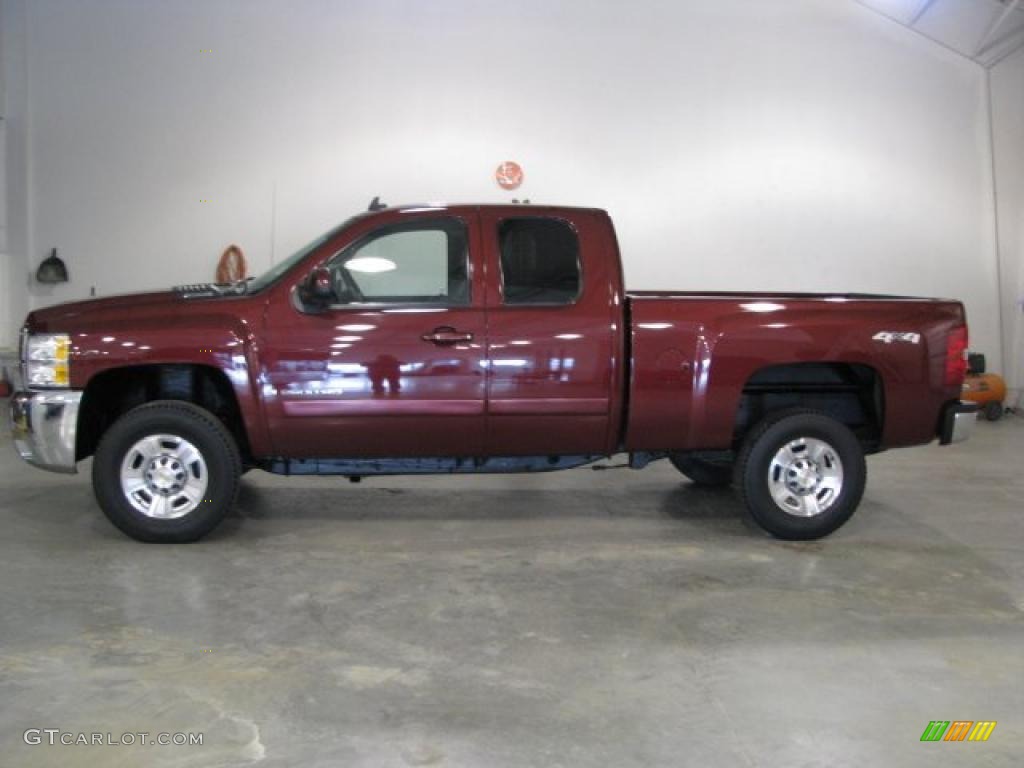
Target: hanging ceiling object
509, 175
52, 270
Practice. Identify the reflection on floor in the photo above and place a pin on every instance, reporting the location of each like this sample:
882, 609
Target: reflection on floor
585, 618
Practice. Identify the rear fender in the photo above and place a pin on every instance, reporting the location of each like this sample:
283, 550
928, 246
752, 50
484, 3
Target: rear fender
692, 359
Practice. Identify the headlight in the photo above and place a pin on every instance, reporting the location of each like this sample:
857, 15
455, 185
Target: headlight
46, 360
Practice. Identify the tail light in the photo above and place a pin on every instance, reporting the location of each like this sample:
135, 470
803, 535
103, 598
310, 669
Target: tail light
956, 356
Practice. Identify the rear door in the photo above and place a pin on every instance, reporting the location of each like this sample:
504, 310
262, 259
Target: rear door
554, 309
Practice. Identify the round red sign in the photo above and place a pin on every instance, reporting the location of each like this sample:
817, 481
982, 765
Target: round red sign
509, 175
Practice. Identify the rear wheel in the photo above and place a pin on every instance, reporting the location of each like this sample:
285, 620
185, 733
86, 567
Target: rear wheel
993, 411
166, 472
800, 474
704, 470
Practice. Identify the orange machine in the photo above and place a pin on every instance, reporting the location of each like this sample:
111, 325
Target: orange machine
988, 390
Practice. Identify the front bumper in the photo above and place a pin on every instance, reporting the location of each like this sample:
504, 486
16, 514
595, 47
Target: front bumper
44, 425
958, 421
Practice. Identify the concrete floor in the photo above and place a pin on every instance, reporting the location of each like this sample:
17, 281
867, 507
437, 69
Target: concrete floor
607, 619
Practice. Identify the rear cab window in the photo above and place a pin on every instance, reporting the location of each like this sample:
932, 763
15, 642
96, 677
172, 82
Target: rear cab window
540, 261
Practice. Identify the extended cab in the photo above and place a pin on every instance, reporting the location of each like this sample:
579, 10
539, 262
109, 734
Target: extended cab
478, 338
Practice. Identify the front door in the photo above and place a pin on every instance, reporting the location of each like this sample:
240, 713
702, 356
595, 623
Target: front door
395, 366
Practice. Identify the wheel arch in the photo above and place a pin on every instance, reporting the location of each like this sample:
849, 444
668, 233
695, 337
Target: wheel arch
113, 392
852, 393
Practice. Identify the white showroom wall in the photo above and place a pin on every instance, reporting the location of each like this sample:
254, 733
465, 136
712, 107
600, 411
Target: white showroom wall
1008, 134
739, 144
15, 250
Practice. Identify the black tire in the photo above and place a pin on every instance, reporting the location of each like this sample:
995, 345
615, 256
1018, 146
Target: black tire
185, 422
755, 475
993, 411
703, 470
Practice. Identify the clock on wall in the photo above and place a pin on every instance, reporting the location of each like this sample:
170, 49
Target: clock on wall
509, 175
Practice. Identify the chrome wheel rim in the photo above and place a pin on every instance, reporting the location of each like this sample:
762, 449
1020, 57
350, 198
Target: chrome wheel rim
164, 476
805, 477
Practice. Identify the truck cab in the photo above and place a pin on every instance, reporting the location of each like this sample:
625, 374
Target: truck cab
466, 331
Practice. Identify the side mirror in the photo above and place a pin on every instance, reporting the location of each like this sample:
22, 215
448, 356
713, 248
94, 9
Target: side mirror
320, 287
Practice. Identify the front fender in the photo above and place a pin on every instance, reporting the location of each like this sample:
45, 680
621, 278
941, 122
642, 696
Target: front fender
224, 343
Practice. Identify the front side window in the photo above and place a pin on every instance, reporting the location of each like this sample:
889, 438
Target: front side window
422, 262
540, 261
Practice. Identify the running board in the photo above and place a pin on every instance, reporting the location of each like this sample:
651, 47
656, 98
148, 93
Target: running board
427, 466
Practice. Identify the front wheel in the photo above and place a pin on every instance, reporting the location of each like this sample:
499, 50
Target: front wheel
800, 474
166, 472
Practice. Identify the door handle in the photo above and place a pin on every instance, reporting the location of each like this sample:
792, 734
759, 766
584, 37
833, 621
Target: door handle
446, 335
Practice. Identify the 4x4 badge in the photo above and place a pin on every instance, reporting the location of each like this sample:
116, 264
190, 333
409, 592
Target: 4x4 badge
890, 336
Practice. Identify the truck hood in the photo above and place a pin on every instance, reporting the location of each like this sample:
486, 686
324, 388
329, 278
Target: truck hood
68, 316
169, 305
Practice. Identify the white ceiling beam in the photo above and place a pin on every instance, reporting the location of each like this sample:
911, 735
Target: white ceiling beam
995, 26
921, 10
1007, 53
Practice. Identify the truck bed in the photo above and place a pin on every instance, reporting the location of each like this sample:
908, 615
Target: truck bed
695, 355
761, 295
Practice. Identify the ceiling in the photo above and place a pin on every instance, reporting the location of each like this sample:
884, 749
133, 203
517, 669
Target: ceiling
986, 31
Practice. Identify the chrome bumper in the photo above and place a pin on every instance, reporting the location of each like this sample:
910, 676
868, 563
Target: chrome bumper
44, 425
958, 422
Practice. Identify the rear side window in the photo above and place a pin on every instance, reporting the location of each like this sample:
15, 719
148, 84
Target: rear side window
540, 261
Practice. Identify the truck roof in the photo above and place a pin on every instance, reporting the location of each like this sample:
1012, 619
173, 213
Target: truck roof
440, 206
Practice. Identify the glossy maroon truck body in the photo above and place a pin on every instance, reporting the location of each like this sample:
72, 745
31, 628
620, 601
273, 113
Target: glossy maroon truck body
614, 371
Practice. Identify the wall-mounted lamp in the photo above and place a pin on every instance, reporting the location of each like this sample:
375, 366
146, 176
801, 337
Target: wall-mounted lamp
52, 270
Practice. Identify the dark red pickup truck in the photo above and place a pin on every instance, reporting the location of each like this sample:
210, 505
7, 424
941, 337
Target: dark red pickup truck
478, 338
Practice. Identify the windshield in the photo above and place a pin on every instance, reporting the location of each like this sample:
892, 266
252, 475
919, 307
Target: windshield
273, 274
